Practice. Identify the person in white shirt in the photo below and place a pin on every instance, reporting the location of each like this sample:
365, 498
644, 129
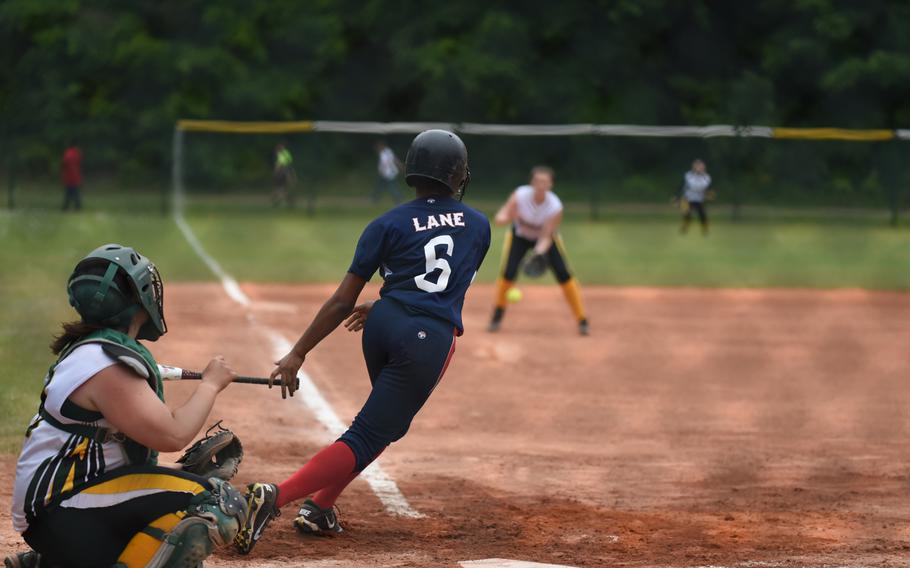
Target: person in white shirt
693, 194
388, 167
535, 213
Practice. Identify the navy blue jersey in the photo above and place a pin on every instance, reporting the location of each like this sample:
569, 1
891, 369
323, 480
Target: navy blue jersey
428, 252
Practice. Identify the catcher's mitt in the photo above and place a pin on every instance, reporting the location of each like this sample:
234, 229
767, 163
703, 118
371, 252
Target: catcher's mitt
216, 455
535, 266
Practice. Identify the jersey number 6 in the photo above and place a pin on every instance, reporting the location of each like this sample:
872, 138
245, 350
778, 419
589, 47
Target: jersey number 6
434, 263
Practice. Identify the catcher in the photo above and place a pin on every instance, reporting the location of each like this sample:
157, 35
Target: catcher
88, 489
535, 213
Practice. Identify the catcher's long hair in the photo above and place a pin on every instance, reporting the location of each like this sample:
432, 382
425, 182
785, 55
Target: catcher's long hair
72, 331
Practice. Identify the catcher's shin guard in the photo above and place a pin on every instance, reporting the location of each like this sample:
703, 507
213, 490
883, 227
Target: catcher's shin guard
186, 538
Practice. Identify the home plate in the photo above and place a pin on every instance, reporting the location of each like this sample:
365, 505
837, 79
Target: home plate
504, 563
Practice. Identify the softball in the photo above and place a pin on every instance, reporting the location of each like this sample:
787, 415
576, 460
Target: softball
514, 295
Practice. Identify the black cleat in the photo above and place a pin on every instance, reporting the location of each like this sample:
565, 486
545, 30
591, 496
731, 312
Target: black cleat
312, 519
583, 328
496, 320
261, 501
30, 559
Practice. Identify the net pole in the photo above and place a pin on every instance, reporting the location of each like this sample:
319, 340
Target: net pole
892, 181
738, 153
176, 202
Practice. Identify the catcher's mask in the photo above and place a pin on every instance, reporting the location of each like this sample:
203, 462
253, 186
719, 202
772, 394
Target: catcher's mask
112, 283
438, 155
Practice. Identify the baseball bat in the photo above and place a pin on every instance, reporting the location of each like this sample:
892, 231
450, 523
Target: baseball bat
169, 373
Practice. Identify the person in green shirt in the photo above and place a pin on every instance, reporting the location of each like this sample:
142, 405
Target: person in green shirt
283, 176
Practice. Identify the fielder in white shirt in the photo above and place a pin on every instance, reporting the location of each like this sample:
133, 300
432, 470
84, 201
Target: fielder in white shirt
535, 213
693, 194
388, 167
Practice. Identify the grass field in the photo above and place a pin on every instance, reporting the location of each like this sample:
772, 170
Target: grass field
38, 248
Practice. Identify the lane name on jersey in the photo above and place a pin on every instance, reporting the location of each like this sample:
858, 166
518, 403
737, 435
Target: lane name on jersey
439, 220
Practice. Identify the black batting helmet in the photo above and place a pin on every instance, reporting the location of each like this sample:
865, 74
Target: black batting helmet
438, 155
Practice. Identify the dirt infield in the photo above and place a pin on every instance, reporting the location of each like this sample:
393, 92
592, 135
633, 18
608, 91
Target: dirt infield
693, 428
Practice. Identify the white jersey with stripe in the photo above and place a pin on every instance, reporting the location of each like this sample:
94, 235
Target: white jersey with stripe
695, 186
52, 461
531, 217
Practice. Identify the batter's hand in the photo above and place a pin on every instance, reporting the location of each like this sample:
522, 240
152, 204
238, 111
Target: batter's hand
287, 371
358, 317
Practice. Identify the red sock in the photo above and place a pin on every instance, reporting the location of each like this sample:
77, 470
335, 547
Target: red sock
327, 496
332, 464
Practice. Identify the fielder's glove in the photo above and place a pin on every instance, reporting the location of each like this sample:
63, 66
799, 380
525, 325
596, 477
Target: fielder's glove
536, 265
216, 455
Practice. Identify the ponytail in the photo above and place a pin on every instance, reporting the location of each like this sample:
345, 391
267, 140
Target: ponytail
73, 331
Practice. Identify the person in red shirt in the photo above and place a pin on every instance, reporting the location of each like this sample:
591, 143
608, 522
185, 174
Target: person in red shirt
71, 173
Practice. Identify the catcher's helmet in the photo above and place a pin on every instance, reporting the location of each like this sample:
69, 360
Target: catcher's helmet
110, 284
438, 155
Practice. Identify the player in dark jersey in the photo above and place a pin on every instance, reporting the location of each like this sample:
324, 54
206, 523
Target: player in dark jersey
427, 252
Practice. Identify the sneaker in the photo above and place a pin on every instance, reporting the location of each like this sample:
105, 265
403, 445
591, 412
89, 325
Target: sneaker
261, 501
583, 328
496, 320
312, 519
30, 559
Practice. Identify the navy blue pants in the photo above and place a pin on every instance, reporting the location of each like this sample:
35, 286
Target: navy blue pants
406, 355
